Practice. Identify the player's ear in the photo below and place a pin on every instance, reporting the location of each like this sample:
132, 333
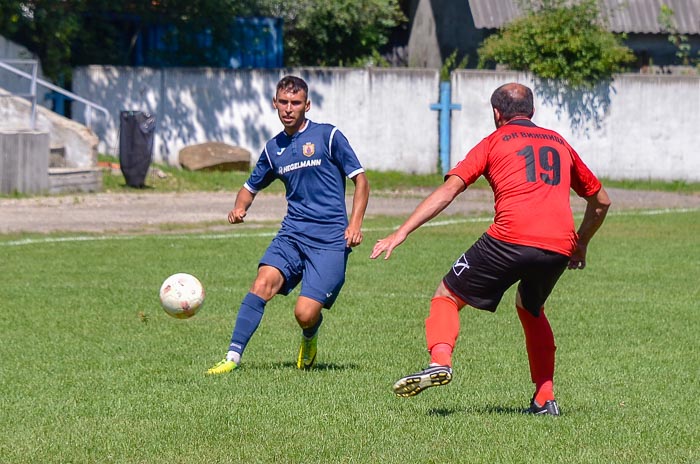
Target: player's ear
308, 106
274, 103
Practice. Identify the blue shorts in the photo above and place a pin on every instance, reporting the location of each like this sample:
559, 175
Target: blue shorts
321, 272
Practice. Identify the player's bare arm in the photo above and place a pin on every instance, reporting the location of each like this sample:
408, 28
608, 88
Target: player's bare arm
596, 210
244, 199
353, 233
435, 203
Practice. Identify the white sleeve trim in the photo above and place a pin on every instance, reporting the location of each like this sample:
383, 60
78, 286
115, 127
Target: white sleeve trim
250, 189
267, 155
330, 141
356, 172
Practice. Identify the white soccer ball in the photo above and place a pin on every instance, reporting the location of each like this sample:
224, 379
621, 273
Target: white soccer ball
181, 295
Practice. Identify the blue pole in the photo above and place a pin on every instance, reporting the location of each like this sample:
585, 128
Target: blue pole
444, 106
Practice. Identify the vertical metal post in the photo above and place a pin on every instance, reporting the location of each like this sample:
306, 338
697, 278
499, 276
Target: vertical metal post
32, 93
444, 106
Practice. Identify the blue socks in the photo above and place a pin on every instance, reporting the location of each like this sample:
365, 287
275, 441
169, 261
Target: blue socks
249, 316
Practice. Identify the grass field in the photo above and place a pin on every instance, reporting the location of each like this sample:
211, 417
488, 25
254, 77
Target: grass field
181, 180
93, 371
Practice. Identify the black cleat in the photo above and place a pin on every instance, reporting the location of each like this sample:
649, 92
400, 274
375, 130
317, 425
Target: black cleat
413, 384
550, 408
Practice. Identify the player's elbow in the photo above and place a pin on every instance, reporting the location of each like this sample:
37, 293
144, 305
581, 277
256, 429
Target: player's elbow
602, 200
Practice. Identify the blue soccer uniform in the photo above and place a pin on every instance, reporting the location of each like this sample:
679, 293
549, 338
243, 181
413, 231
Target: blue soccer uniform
313, 164
312, 246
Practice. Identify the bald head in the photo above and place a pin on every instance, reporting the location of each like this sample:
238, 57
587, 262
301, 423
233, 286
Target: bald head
513, 100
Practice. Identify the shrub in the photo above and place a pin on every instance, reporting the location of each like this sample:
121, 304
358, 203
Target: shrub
559, 41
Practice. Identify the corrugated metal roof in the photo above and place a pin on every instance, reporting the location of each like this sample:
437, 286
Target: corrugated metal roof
632, 16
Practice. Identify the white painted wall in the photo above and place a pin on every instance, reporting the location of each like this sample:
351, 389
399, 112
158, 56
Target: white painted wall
385, 113
644, 126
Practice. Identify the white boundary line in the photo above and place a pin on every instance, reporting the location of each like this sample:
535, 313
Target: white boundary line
446, 222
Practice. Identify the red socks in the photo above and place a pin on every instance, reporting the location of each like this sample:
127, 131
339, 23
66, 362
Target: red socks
442, 329
539, 342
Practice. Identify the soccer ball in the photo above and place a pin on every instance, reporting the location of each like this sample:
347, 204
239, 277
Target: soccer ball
181, 295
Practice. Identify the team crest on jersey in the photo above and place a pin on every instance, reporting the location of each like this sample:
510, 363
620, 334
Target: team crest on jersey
308, 149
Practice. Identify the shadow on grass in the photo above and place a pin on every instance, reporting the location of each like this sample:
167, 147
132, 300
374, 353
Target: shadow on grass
488, 409
134, 188
323, 367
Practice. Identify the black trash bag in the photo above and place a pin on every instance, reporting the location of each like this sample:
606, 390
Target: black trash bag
136, 130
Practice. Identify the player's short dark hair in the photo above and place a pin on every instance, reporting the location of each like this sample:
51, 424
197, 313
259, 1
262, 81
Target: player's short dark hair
293, 84
513, 100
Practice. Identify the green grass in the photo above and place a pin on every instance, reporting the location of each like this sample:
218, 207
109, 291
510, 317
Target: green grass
181, 180
93, 371
382, 183
677, 186
173, 179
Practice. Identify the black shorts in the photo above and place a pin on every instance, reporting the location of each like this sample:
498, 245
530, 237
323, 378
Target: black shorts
485, 271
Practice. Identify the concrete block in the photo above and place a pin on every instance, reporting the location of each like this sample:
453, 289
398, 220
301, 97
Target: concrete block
70, 180
24, 161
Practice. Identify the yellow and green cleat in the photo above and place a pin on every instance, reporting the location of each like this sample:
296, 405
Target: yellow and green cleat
307, 352
222, 367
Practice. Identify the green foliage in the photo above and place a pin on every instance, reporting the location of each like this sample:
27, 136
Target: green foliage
450, 64
678, 40
46, 27
334, 33
104, 30
93, 371
66, 33
559, 40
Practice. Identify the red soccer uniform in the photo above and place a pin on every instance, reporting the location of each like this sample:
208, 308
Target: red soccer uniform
531, 171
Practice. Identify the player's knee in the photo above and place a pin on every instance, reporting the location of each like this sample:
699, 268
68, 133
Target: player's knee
264, 288
444, 292
307, 312
305, 318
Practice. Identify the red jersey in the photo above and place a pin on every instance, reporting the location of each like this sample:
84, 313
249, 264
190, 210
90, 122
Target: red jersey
531, 171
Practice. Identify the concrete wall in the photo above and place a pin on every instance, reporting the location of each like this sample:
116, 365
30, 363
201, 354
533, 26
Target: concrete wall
24, 161
77, 142
638, 127
385, 113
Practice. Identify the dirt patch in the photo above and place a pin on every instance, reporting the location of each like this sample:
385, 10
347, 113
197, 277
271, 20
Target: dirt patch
149, 212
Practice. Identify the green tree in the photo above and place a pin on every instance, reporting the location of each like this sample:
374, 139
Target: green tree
66, 33
556, 39
110, 30
334, 33
45, 27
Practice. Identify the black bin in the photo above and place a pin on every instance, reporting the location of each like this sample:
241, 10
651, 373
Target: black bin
136, 130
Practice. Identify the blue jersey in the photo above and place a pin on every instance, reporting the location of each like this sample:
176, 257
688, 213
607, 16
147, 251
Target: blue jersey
313, 165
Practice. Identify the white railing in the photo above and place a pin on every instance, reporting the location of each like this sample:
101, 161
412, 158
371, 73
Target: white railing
34, 81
